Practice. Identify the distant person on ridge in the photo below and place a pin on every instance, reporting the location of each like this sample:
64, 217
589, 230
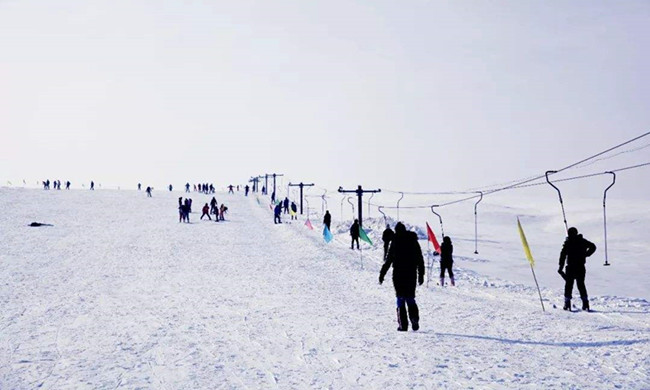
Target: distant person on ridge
139, 186
387, 237
575, 252
67, 185
170, 188
148, 192
206, 211
230, 191
354, 233
187, 187
273, 197
92, 185
446, 260
405, 255
286, 205
327, 219
246, 188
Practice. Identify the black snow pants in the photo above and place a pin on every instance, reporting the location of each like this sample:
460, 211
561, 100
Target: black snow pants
577, 275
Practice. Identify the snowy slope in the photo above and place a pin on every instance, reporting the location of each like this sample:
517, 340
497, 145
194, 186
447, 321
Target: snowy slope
119, 294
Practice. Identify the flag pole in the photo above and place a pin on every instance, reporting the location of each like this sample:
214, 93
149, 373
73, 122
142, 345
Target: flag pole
428, 260
361, 256
538, 291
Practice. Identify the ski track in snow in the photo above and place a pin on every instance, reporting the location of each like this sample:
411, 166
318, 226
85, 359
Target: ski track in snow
118, 294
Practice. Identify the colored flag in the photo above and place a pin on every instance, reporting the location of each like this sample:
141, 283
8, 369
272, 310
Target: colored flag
308, 224
364, 236
524, 242
327, 235
432, 238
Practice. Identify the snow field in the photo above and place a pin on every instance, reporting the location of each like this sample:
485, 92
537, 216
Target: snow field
119, 294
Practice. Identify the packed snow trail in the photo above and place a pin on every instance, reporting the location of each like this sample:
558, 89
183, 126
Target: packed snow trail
119, 294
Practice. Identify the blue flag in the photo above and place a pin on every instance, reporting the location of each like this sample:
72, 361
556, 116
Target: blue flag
327, 235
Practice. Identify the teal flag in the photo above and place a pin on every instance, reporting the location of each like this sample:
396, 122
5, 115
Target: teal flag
364, 236
327, 235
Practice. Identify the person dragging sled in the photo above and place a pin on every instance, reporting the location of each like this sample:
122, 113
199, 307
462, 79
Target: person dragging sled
405, 256
354, 233
446, 260
575, 251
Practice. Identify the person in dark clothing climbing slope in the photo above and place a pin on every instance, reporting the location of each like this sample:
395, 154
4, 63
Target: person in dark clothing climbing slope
354, 233
387, 237
327, 219
446, 260
575, 251
405, 256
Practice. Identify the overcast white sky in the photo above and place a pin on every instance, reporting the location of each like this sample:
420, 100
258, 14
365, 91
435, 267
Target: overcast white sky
408, 95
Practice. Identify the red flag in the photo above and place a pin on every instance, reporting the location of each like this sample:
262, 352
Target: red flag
432, 238
308, 224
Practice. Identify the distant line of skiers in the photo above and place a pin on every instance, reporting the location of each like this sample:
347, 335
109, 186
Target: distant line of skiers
56, 184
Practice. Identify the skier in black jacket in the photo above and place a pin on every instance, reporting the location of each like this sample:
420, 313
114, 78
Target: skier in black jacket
446, 260
327, 219
405, 255
575, 251
354, 232
387, 237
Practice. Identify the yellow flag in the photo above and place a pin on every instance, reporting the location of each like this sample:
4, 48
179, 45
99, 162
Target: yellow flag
524, 242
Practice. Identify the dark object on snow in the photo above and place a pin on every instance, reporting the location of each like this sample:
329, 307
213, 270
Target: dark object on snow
354, 233
446, 260
387, 237
38, 224
575, 251
327, 219
405, 256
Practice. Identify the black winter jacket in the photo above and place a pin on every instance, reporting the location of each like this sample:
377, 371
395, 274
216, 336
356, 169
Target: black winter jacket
405, 255
575, 251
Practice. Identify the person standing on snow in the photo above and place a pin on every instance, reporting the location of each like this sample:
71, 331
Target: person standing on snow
294, 211
405, 256
206, 211
387, 237
246, 189
327, 220
230, 191
446, 260
354, 232
148, 192
276, 213
575, 251
285, 203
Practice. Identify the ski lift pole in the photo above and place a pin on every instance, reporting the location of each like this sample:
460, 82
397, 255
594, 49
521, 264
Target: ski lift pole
351, 204
559, 195
442, 230
476, 223
382, 213
400, 199
605, 214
